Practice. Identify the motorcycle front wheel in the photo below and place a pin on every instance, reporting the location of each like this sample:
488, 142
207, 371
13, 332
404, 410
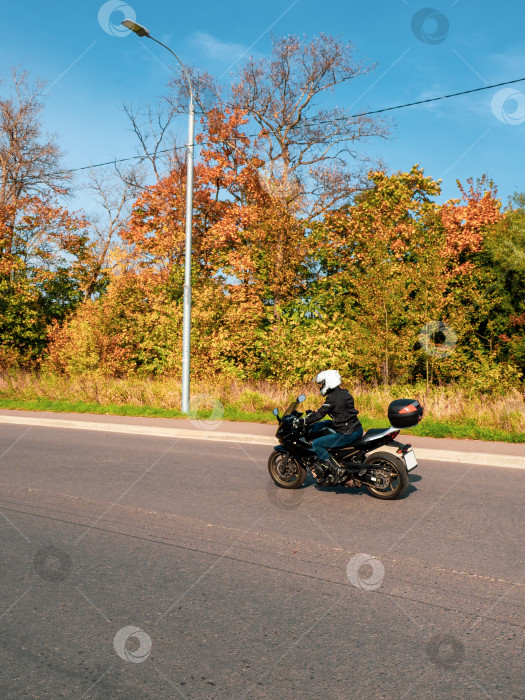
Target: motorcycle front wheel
390, 473
285, 471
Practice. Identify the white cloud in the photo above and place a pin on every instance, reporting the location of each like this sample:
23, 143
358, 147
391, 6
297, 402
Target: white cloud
509, 64
215, 49
435, 91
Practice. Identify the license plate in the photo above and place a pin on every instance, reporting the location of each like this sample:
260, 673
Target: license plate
410, 460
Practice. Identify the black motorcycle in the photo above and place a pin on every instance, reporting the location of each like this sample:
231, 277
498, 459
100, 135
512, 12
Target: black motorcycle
383, 474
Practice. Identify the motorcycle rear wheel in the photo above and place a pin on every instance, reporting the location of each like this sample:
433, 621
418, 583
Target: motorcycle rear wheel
286, 474
390, 466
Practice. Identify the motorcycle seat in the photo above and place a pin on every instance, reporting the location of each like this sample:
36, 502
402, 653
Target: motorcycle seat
374, 434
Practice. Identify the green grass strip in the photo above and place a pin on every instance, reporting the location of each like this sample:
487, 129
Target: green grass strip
469, 430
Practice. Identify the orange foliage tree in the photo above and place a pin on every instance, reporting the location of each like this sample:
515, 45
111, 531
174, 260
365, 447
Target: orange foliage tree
467, 221
38, 236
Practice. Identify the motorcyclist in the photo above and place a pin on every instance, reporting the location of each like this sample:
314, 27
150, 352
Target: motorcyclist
347, 429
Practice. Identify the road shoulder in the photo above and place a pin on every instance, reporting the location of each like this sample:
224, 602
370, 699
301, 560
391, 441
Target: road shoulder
497, 454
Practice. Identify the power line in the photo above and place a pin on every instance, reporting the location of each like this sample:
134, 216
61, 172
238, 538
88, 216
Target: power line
121, 160
432, 99
312, 121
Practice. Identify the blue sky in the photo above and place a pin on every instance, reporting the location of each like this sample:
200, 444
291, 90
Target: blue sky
464, 44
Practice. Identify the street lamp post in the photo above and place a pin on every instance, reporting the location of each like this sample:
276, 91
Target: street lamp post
186, 304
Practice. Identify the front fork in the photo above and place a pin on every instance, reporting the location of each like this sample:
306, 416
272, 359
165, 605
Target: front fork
310, 464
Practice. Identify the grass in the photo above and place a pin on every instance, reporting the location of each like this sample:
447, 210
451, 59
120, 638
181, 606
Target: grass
230, 412
450, 411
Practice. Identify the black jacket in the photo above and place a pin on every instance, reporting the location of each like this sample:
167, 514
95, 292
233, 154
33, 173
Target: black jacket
339, 405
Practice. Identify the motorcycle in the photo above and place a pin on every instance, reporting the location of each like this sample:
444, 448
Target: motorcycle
383, 474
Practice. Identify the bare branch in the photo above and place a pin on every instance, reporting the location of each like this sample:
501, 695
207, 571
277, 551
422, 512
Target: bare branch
281, 94
154, 129
115, 193
29, 160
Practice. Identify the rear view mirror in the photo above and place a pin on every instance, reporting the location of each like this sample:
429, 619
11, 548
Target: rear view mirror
301, 398
275, 411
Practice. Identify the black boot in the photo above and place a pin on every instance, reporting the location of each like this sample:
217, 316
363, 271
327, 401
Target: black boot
337, 472
317, 470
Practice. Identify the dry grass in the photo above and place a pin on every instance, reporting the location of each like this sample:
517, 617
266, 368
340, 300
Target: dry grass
450, 404
164, 392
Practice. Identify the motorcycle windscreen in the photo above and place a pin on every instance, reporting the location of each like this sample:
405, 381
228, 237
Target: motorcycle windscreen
291, 408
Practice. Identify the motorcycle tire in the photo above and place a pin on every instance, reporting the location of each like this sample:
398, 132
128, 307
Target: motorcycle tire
398, 480
286, 474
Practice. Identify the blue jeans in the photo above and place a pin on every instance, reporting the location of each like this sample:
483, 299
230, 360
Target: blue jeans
322, 444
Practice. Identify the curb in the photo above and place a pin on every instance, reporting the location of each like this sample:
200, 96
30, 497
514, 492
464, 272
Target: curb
153, 431
475, 458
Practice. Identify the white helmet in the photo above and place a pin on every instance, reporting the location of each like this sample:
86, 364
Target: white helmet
327, 380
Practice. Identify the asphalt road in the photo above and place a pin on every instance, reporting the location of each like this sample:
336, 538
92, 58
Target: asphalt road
137, 567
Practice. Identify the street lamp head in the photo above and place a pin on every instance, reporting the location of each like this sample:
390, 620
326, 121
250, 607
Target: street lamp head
137, 28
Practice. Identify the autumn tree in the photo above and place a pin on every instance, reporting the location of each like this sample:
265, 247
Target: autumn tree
241, 234
378, 260
30, 169
468, 222
264, 189
310, 149
396, 261
259, 243
37, 234
503, 260
29, 160
310, 152
103, 253
156, 227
